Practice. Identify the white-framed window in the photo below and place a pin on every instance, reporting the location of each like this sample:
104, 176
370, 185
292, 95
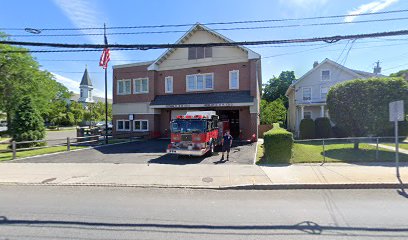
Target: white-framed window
323, 92
140, 85
325, 75
140, 125
200, 82
307, 115
199, 52
122, 125
168, 84
124, 87
234, 79
307, 93
82, 93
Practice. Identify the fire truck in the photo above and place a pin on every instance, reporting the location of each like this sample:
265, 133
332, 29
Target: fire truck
196, 133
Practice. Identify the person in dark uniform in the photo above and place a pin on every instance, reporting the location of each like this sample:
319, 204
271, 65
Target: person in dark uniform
226, 144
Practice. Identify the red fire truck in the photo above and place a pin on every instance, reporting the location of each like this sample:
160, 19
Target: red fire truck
196, 133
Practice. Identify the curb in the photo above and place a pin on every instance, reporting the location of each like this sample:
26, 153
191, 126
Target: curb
232, 187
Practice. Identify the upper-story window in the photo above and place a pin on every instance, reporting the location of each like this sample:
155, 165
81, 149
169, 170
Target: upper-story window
234, 79
89, 93
168, 84
141, 85
199, 52
200, 82
307, 93
323, 92
124, 87
82, 93
326, 75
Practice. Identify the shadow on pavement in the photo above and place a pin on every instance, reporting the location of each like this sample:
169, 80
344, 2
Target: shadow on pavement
306, 227
150, 146
366, 157
402, 191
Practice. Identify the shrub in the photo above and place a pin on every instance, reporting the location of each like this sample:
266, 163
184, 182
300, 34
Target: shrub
307, 129
322, 127
402, 129
338, 132
278, 144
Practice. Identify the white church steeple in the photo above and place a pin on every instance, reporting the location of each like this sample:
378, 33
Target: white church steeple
86, 88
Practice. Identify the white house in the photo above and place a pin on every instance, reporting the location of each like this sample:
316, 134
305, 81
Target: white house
307, 95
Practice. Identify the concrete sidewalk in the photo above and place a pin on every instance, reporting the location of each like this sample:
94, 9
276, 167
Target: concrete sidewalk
204, 176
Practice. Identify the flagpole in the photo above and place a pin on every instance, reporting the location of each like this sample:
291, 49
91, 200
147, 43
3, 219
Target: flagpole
106, 89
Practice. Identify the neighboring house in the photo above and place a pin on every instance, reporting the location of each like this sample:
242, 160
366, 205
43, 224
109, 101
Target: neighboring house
307, 95
147, 95
85, 88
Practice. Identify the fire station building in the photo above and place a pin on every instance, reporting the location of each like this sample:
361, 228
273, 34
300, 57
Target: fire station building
147, 95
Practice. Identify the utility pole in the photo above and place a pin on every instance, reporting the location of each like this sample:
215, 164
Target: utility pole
106, 88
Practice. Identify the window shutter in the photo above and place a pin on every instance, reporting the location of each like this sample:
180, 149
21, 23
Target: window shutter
200, 52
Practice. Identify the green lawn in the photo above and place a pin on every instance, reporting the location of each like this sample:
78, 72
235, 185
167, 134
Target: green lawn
29, 153
401, 145
340, 152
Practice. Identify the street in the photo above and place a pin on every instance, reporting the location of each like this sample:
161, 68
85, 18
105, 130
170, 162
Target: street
49, 212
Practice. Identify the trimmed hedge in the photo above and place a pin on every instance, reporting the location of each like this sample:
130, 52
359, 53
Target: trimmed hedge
278, 144
322, 127
307, 129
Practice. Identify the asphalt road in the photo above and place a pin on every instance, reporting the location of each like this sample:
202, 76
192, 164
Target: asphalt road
145, 152
129, 213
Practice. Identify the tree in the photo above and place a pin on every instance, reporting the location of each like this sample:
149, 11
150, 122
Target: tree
399, 73
277, 86
360, 107
27, 124
77, 111
20, 76
272, 112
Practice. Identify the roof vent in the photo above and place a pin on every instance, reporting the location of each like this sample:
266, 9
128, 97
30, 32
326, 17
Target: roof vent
315, 64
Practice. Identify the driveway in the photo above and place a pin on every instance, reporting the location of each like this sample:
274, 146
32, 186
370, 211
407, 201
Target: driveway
59, 137
144, 152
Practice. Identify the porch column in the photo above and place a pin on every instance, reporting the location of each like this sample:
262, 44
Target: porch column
322, 111
302, 112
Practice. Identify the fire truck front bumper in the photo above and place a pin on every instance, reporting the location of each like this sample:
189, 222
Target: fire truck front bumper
193, 152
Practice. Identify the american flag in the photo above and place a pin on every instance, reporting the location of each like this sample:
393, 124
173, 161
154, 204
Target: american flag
105, 57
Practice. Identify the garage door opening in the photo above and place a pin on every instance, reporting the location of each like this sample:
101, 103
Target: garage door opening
232, 116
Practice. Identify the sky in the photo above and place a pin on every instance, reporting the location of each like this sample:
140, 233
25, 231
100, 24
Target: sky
392, 52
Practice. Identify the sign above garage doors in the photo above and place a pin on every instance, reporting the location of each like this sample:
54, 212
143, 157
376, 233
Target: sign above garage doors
203, 105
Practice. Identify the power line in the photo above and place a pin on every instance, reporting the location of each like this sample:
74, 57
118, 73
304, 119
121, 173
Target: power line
331, 39
213, 23
215, 29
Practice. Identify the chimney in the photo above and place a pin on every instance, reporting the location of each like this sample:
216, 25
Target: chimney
315, 64
377, 68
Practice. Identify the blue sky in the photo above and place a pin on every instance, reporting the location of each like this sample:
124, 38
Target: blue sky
68, 67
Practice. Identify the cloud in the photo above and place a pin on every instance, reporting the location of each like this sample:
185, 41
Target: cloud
371, 7
73, 86
304, 3
84, 14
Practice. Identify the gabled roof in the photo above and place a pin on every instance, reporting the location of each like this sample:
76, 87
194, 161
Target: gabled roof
355, 73
86, 80
188, 34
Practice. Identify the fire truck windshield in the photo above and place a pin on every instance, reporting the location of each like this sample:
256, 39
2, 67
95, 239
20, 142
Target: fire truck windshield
186, 126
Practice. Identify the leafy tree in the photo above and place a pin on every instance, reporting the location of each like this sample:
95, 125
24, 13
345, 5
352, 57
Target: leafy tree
360, 107
399, 73
20, 76
77, 111
27, 124
277, 86
272, 112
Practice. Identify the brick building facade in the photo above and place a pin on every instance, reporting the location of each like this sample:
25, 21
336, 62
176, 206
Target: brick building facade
147, 95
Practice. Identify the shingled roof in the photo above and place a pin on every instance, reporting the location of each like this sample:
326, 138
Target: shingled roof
86, 80
204, 98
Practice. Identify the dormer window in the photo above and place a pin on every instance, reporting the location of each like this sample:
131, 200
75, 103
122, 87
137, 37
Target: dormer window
199, 52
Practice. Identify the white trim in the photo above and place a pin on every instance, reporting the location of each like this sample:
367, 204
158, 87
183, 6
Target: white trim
140, 130
204, 82
141, 90
132, 64
125, 92
230, 72
181, 106
321, 87
122, 130
303, 94
321, 75
165, 84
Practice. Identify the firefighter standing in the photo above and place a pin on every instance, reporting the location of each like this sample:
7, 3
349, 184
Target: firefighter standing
226, 144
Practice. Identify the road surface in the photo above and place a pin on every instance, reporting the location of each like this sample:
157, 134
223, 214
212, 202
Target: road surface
32, 212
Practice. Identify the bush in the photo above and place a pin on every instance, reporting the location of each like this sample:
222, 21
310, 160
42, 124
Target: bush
322, 127
402, 129
307, 129
338, 132
278, 144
